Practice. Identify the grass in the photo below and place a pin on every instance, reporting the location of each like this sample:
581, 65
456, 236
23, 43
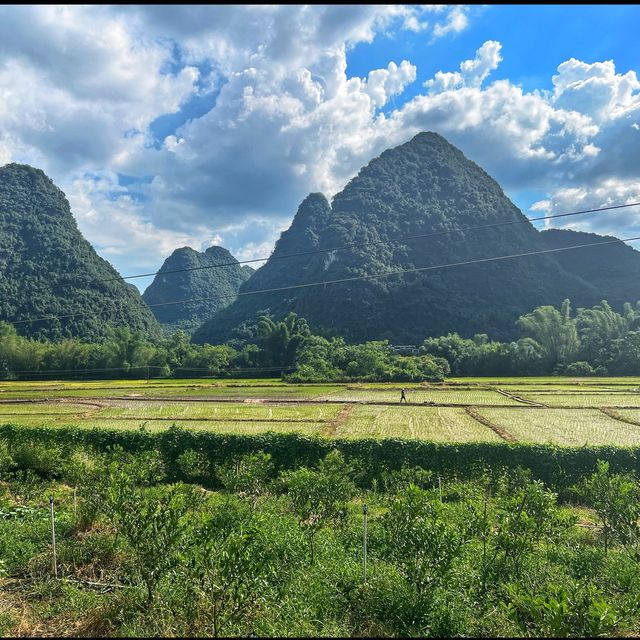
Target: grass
585, 400
440, 424
564, 426
572, 418
437, 396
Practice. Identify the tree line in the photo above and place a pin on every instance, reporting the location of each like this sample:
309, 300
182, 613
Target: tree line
595, 341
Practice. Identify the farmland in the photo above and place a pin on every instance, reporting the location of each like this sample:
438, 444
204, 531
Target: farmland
237, 506
564, 411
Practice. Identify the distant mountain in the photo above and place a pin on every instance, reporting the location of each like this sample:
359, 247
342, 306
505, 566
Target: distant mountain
423, 186
47, 268
613, 269
199, 282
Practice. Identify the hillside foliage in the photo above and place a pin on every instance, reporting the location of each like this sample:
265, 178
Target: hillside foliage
425, 186
47, 268
210, 289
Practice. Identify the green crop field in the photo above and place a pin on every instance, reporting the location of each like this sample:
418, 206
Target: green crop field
578, 411
442, 396
576, 399
187, 388
564, 426
440, 424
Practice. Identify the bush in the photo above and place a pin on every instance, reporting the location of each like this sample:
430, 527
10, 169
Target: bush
560, 468
579, 369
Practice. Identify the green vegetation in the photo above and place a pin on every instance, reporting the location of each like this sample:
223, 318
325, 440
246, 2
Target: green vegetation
594, 342
198, 283
274, 547
48, 269
558, 466
281, 347
425, 186
612, 268
564, 426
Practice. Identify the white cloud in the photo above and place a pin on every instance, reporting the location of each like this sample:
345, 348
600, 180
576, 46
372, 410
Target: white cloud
81, 86
116, 223
622, 223
472, 72
455, 21
382, 84
78, 89
596, 90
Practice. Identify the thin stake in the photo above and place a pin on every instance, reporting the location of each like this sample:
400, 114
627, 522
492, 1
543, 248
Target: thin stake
75, 503
364, 542
440, 487
53, 536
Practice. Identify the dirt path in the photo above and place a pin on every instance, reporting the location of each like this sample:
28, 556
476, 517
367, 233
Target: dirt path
530, 403
341, 417
612, 413
503, 433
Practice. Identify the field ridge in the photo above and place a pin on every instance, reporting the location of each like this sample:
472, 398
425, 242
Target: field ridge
502, 433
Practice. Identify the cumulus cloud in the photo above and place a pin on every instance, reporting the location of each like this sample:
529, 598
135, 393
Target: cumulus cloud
382, 84
284, 118
608, 193
81, 87
472, 72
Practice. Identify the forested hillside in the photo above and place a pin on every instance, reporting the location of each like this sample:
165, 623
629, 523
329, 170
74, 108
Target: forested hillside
194, 280
47, 268
614, 269
426, 186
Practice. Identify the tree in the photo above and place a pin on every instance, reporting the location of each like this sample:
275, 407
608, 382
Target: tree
616, 499
281, 340
319, 497
153, 522
598, 327
554, 331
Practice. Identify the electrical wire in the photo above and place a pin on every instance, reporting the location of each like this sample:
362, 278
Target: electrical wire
353, 279
144, 367
351, 245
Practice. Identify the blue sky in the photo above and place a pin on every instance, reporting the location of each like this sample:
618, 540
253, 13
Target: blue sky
192, 125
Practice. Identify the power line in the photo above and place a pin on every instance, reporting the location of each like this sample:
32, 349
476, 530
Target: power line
351, 245
355, 278
144, 367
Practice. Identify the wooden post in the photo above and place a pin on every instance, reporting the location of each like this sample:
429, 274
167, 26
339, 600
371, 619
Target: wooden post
365, 509
53, 537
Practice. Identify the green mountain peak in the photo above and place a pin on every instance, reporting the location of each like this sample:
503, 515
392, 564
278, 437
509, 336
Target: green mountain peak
47, 268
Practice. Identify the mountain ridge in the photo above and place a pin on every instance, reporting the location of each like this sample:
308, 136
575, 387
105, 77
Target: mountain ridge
425, 185
196, 281
48, 268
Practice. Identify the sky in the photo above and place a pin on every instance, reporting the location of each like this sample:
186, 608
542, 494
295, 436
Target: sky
191, 125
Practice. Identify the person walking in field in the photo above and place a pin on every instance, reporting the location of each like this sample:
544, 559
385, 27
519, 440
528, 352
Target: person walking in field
402, 396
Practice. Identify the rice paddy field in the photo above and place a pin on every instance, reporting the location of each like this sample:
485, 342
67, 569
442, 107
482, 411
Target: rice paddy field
564, 411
